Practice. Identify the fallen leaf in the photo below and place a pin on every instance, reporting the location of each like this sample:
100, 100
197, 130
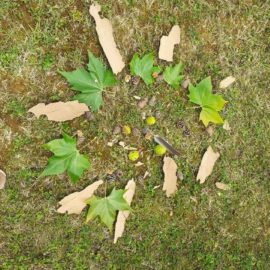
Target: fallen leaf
123, 215
226, 125
74, 203
66, 158
207, 164
3, 179
105, 34
90, 83
173, 75
210, 103
105, 208
60, 111
167, 44
170, 177
222, 186
226, 82
144, 67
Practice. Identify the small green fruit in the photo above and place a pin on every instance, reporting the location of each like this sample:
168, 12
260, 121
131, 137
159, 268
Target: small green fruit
133, 155
126, 130
160, 150
150, 120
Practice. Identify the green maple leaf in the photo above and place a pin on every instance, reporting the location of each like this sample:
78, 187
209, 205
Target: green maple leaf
211, 104
91, 84
106, 207
66, 158
172, 75
144, 67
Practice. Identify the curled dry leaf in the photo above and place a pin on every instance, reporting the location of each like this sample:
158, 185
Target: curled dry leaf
3, 179
226, 82
74, 203
222, 186
123, 215
167, 44
60, 111
170, 177
207, 164
105, 34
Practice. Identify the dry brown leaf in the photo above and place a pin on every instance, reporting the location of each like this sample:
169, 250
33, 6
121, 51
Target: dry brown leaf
226, 125
207, 164
60, 111
226, 82
170, 177
167, 44
123, 215
222, 186
74, 203
105, 34
3, 179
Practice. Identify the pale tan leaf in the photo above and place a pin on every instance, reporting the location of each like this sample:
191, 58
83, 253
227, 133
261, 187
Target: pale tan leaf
105, 34
207, 164
3, 179
226, 82
123, 215
226, 125
60, 111
170, 177
167, 44
74, 203
222, 186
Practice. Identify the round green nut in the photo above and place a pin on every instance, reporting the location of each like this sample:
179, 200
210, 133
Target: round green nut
126, 130
133, 155
150, 120
160, 150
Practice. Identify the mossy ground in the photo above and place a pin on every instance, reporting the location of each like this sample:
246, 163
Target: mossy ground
209, 228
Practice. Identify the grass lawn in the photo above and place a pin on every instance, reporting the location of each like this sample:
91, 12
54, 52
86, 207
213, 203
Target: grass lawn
209, 228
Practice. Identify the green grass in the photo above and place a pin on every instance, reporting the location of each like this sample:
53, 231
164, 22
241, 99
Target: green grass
209, 228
